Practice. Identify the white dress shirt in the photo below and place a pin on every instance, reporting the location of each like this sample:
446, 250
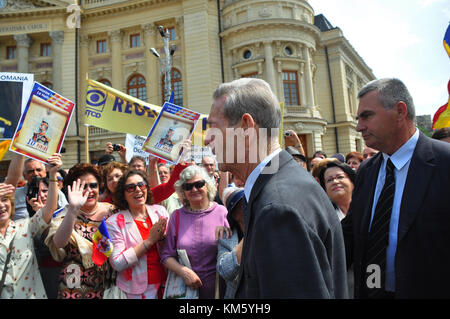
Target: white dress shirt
251, 179
401, 160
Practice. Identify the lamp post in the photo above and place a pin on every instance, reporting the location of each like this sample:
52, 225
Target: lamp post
165, 65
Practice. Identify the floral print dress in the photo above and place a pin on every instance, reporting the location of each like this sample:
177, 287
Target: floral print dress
80, 278
23, 280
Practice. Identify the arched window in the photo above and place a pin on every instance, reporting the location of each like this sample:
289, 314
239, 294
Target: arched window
105, 82
136, 87
176, 86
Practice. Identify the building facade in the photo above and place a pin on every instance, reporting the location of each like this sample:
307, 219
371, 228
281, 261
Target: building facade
309, 64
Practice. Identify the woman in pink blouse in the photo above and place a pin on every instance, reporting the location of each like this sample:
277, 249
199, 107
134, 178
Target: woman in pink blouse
198, 219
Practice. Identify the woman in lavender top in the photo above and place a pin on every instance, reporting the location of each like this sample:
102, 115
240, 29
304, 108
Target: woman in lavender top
198, 219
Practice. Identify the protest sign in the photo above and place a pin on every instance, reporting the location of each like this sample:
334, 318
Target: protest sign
173, 125
15, 89
43, 124
134, 144
116, 111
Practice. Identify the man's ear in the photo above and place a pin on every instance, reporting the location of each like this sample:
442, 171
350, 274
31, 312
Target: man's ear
402, 110
247, 122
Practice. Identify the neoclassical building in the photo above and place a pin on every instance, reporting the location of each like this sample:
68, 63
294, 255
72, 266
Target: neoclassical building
309, 64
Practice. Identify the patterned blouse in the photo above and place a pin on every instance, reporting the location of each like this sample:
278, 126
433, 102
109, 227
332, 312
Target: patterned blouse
80, 278
23, 280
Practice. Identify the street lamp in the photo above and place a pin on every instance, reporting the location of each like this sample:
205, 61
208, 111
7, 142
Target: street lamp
165, 65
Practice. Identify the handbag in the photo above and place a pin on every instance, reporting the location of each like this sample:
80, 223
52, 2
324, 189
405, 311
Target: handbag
8, 257
175, 287
114, 292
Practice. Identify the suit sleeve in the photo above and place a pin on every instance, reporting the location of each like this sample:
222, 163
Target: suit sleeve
284, 238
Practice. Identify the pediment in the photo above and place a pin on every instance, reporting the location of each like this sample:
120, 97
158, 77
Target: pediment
12, 6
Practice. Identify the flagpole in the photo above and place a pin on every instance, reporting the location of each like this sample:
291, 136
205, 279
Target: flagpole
86, 134
86, 142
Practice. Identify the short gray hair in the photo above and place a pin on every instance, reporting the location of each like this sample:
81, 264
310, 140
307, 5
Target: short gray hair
252, 96
189, 173
390, 92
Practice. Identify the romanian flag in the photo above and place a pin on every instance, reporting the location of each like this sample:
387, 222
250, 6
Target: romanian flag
4, 147
101, 245
447, 41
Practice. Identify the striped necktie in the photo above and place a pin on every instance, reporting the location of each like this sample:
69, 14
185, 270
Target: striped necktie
378, 238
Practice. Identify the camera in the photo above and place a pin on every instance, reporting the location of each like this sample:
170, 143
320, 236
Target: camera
116, 147
287, 133
33, 187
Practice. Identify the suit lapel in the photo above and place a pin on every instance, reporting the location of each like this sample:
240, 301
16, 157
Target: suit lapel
131, 227
370, 179
283, 157
417, 183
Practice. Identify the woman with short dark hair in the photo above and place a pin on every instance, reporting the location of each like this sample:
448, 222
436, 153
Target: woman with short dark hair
135, 230
71, 231
338, 179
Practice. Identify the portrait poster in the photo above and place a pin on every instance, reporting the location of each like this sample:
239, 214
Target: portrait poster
15, 89
43, 124
173, 125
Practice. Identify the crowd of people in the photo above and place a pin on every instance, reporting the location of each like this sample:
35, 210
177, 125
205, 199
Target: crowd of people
304, 230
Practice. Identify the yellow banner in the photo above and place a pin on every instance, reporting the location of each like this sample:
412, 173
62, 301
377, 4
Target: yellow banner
116, 111
4, 147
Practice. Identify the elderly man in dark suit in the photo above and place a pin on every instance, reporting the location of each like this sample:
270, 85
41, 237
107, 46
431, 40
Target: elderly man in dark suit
293, 242
397, 230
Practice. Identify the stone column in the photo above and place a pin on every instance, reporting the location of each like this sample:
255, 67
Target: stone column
23, 43
308, 78
151, 67
301, 84
57, 43
116, 59
83, 70
270, 69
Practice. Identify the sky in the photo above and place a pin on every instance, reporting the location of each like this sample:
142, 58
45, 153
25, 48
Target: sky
398, 38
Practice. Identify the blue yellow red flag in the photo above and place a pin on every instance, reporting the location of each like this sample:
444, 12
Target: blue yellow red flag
102, 246
441, 118
447, 40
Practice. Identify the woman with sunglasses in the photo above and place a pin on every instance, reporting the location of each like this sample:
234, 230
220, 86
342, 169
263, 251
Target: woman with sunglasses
134, 231
197, 221
70, 235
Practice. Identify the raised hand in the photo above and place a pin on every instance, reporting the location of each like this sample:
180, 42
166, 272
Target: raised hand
55, 163
77, 195
186, 146
6, 189
36, 204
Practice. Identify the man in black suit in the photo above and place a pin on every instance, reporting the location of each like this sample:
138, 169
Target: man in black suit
293, 243
397, 231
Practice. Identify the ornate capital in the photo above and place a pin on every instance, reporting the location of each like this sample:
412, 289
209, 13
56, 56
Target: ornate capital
22, 40
84, 40
149, 29
57, 36
116, 35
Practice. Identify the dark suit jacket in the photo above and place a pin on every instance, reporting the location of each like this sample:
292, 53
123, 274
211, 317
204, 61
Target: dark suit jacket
423, 246
293, 245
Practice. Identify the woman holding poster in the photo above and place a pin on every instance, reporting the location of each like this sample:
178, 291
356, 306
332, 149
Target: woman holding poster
20, 277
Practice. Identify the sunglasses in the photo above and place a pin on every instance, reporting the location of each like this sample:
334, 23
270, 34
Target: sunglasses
190, 186
132, 187
91, 185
